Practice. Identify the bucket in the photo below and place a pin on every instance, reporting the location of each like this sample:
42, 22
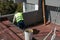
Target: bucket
28, 34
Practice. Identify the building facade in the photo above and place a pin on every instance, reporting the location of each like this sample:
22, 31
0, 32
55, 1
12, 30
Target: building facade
53, 11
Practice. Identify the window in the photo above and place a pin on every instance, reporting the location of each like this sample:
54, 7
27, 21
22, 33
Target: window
27, 6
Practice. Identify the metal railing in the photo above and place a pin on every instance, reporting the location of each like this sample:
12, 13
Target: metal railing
53, 36
47, 35
6, 15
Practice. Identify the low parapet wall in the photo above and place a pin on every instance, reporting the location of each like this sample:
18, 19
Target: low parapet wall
32, 17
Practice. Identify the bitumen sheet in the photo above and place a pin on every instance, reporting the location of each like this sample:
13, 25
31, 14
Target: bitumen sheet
9, 31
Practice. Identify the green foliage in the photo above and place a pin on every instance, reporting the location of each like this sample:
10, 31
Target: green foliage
7, 7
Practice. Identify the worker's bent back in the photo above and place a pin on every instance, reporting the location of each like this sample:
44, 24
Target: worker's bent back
19, 16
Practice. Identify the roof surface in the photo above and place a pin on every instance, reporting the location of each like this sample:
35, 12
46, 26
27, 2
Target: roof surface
8, 31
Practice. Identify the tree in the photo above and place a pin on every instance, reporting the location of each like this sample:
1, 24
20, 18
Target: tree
7, 7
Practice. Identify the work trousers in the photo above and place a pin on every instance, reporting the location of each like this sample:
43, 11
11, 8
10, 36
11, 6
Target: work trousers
21, 24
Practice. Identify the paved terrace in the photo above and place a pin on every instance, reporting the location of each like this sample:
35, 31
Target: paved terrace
8, 31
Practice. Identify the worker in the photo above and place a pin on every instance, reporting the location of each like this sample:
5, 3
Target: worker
18, 18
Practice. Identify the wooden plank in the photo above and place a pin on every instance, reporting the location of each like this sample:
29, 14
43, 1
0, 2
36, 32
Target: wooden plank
10, 33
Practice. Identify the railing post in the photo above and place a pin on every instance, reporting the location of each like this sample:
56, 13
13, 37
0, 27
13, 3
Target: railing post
48, 35
54, 34
43, 8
